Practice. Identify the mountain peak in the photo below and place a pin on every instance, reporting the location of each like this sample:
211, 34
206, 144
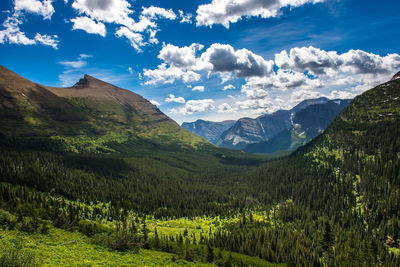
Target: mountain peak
396, 76
88, 80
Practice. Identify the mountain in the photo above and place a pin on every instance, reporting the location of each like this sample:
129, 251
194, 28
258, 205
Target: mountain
247, 130
97, 142
254, 135
92, 116
307, 123
340, 192
208, 129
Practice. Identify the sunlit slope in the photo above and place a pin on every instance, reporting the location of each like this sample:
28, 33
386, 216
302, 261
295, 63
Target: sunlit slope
92, 116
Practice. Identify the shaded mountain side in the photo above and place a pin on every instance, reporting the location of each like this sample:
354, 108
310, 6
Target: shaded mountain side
92, 116
247, 131
208, 129
345, 182
307, 124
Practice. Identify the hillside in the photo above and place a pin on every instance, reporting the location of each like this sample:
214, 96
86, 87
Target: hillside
343, 187
92, 117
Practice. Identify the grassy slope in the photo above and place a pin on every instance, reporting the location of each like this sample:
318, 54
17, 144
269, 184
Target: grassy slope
64, 248
54, 250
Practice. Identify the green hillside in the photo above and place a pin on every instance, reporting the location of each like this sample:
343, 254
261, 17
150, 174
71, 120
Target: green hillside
109, 174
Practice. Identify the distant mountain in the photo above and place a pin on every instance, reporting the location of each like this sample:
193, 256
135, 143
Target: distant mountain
254, 135
208, 129
91, 117
281, 130
246, 130
307, 123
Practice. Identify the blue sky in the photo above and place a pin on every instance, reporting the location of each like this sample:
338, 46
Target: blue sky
209, 59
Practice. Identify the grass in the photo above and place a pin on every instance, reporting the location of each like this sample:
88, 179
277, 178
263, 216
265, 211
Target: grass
63, 248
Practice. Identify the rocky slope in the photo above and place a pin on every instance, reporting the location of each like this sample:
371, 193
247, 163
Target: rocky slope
208, 129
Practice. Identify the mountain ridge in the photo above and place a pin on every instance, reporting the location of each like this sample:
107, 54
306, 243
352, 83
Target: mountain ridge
90, 115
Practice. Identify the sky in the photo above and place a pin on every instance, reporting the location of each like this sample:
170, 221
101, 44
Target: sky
206, 59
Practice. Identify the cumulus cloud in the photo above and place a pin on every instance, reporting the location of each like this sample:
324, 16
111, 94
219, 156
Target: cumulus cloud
180, 56
220, 59
223, 58
228, 87
258, 87
50, 40
119, 12
320, 62
135, 39
109, 11
43, 8
198, 88
13, 35
194, 106
89, 25
290, 77
225, 108
165, 75
158, 12
172, 98
227, 11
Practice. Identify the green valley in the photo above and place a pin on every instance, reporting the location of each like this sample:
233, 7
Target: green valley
96, 175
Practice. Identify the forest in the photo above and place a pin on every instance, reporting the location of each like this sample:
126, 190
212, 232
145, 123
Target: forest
333, 202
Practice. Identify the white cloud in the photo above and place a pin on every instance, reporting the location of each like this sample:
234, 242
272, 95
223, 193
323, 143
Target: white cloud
172, 98
155, 103
74, 64
89, 25
225, 108
78, 63
84, 56
230, 11
228, 87
198, 88
330, 63
43, 8
109, 11
293, 76
158, 12
185, 18
194, 106
135, 39
258, 87
335, 94
164, 75
180, 56
130, 70
13, 35
244, 63
47, 40
220, 59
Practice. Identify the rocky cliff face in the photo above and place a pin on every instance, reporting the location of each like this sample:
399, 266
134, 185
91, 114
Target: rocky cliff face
208, 129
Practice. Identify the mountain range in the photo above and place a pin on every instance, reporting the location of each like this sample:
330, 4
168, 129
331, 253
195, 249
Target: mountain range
279, 131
